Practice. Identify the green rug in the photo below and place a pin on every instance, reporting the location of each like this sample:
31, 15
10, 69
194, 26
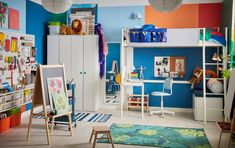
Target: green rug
157, 136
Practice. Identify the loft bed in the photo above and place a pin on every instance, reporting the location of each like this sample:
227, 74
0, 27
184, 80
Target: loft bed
183, 37
186, 37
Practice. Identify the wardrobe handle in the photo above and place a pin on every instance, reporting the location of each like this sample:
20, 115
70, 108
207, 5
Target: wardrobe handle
84, 72
80, 72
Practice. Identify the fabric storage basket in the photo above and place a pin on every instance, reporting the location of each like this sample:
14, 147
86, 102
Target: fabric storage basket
145, 36
159, 35
135, 35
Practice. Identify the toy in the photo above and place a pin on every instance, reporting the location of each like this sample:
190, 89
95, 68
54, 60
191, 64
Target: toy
215, 86
198, 75
75, 29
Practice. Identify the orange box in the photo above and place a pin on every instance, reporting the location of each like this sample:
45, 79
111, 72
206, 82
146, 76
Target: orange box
15, 120
23, 108
5, 124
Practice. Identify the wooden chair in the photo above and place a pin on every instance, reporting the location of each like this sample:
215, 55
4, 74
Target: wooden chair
101, 130
227, 127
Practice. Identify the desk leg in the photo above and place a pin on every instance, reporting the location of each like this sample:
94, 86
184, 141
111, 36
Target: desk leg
142, 101
121, 103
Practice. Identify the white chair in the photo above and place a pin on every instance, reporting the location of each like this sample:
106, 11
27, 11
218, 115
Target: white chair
166, 91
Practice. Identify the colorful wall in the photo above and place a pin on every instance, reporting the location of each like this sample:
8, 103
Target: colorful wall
187, 16
21, 6
36, 24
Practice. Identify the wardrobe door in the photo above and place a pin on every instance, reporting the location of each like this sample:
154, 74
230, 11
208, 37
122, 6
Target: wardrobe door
77, 69
53, 49
91, 73
65, 54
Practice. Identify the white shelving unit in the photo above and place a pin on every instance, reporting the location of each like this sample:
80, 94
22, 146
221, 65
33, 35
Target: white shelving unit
189, 37
15, 99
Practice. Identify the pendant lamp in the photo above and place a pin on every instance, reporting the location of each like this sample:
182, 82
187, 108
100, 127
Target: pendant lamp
57, 6
165, 5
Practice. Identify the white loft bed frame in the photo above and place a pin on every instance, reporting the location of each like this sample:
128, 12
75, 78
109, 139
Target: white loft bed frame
186, 37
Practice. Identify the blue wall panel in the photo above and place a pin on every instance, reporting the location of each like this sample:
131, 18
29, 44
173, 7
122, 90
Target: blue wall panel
114, 54
36, 23
114, 19
21, 6
182, 96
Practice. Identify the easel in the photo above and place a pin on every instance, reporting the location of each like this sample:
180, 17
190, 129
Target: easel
40, 98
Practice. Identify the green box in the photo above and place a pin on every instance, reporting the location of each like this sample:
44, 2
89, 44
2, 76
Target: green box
13, 111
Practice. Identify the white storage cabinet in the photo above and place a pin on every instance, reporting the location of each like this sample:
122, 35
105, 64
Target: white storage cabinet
214, 108
79, 54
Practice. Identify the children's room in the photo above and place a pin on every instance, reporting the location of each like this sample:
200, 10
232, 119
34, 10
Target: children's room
123, 73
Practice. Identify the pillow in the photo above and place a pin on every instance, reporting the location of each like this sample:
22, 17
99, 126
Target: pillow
215, 86
61, 103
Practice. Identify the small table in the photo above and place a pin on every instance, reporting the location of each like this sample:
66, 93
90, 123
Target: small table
139, 84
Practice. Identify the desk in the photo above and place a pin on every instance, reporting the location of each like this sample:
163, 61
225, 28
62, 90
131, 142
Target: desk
126, 84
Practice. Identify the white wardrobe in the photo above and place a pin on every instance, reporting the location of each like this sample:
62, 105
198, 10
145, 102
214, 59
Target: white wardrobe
80, 56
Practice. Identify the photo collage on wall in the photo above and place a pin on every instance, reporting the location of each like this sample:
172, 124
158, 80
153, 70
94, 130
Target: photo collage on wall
165, 66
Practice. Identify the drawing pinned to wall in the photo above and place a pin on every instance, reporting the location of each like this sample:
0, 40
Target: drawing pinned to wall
14, 44
2, 40
14, 19
3, 15
161, 66
55, 86
169, 67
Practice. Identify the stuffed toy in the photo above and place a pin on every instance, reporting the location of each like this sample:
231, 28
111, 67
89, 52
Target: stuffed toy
198, 75
215, 86
75, 29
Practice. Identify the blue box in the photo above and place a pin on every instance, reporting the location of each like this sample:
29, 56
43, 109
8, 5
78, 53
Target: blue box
28, 106
145, 36
159, 35
135, 35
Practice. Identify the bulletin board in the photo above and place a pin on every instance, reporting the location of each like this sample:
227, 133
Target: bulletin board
17, 59
166, 66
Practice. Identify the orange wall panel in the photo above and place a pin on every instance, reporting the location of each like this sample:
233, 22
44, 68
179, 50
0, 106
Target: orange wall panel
186, 16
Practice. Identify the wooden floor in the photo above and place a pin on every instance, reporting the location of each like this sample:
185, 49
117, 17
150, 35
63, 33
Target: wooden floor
16, 137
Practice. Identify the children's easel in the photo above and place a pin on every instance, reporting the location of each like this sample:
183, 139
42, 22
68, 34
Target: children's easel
41, 97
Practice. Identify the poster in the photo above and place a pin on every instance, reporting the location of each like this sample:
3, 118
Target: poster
55, 86
169, 67
3, 15
14, 19
161, 66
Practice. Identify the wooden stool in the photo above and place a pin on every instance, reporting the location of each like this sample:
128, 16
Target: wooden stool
101, 130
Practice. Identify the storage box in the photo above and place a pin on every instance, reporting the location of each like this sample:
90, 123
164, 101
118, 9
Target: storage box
5, 124
54, 30
159, 35
211, 103
28, 106
15, 120
9, 105
23, 108
2, 99
135, 35
9, 97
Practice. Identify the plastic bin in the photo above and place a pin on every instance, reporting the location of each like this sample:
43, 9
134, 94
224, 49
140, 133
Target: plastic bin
23, 108
5, 124
54, 30
15, 120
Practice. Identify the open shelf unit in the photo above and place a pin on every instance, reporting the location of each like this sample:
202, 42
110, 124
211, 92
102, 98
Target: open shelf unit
189, 37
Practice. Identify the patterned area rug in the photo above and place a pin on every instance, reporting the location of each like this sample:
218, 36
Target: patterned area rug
88, 117
92, 117
157, 136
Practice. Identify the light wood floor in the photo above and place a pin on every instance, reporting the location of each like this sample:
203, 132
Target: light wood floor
16, 137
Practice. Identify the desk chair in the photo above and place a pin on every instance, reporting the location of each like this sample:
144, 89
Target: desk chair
227, 127
166, 91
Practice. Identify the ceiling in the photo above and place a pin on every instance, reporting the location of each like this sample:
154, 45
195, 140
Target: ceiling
106, 3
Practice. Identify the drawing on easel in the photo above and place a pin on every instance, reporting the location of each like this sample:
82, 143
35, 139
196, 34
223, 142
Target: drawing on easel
161, 66
61, 103
55, 86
